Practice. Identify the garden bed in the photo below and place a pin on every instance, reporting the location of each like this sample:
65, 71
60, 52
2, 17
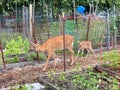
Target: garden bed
30, 73
85, 79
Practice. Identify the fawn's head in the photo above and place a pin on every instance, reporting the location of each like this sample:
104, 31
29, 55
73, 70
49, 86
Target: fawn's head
79, 44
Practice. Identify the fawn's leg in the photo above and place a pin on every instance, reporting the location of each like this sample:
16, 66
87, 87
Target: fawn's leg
78, 54
93, 51
54, 60
82, 53
87, 53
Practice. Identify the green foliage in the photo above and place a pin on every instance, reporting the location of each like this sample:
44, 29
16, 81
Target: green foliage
16, 46
96, 32
51, 74
115, 85
57, 6
118, 23
85, 79
112, 57
33, 55
42, 56
78, 67
62, 76
13, 59
4, 36
113, 26
55, 29
21, 87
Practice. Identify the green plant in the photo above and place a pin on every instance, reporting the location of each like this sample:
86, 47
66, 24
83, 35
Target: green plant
78, 67
115, 84
51, 74
62, 76
5, 37
112, 57
55, 29
30, 55
21, 87
87, 82
13, 59
96, 32
86, 79
42, 56
16, 46
33, 55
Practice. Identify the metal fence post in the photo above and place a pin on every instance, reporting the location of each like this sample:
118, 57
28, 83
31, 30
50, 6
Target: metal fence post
1, 49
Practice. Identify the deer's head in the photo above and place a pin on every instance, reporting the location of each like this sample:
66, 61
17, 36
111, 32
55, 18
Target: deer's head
37, 47
34, 46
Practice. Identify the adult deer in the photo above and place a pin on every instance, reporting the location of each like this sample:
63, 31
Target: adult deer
54, 44
85, 45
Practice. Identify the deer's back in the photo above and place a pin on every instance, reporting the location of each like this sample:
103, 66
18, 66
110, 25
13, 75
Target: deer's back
56, 43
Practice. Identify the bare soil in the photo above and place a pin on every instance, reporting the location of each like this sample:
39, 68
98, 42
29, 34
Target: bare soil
30, 73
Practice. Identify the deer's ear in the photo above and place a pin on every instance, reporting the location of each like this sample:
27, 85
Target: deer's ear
39, 42
33, 44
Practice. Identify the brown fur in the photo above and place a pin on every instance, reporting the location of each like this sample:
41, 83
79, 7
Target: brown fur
85, 45
53, 44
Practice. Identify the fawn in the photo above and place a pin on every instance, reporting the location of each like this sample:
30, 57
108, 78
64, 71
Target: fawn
85, 45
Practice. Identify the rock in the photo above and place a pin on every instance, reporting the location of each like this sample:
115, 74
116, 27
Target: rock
35, 86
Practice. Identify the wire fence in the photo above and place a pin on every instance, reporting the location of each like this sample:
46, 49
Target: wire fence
11, 27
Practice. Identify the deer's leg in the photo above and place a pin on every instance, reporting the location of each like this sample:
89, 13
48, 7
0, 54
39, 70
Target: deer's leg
93, 51
54, 60
49, 55
72, 55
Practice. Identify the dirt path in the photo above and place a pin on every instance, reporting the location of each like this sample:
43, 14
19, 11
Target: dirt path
30, 73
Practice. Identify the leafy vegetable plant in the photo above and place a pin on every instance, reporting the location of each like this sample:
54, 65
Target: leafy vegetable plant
16, 46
